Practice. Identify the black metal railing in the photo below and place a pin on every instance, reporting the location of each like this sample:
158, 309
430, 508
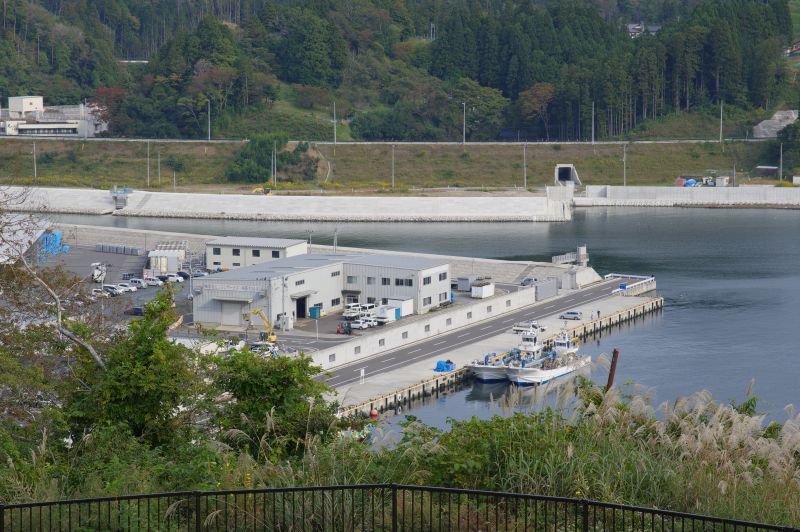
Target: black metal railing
375, 507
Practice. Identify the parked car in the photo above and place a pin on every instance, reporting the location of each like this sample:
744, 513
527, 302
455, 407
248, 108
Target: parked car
367, 309
99, 292
183, 275
152, 281
571, 315
111, 290
138, 283
199, 273
135, 311
528, 281
163, 278
126, 287
371, 322
174, 278
359, 324
525, 326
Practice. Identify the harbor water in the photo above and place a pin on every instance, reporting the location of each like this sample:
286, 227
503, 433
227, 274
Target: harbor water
730, 278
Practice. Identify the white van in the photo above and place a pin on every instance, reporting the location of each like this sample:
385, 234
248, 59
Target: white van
138, 283
367, 309
352, 310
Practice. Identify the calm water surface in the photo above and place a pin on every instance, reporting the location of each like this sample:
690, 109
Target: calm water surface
731, 280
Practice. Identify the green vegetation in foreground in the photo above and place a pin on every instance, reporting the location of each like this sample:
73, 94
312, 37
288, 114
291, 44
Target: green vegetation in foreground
104, 164
119, 431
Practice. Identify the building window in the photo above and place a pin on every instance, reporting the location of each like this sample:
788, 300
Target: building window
426, 301
443, 276
488, 308
371, 300
276, 254
352, 279
508, 302
332, 357
428, 328
318, 304
216, 251
256, 252
405, 335
426, 280
370, 280
236, 264
352, 299
381, 342
300, 282
409, 282
449, 322
469, 315
386, 281
237, 252
357, 350
337, 273
384, 301
442, 297
336, 302
398, 282
217, 264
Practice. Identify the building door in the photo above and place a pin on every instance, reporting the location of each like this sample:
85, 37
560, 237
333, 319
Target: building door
231, 313
302, 304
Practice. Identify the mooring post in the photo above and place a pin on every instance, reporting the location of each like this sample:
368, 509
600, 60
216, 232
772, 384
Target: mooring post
613, 370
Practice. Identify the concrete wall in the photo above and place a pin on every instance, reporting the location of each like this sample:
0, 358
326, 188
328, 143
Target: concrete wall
422, 328
604, 195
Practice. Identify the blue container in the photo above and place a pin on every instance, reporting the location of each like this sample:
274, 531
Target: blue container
623, 286
397, 315
314, 313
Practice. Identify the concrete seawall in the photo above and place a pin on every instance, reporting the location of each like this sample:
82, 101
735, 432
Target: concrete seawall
301, 208
746, 196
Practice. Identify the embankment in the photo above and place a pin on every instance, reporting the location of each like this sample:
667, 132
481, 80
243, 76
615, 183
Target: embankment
745, 196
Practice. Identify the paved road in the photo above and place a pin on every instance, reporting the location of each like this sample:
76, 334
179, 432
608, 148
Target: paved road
468, 335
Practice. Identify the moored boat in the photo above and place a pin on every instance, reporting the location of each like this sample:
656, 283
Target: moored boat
545, 369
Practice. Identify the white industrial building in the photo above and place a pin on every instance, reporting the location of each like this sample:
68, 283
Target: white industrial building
231, 252
27, 115
286, 289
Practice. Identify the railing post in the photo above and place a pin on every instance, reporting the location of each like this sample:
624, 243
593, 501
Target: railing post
394, 507
197, 519
585, 515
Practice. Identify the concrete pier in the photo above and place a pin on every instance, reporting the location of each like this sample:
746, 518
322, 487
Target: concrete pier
418, 380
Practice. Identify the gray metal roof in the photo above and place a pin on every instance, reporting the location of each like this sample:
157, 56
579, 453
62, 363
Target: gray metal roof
312, 261
254, 242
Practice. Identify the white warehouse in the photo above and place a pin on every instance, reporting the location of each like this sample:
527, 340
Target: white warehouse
238, 252
290, 287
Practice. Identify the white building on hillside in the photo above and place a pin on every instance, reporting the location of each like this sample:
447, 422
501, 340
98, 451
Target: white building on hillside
27, 115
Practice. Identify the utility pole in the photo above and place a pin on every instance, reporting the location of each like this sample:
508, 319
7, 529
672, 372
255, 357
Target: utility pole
392, 165
159, 169
35, 175
464, 124
209, 119
274, 164
780, 172
720, 121
148, 164
624, 165
525, 166
334, 127
335, 239
592, 122
174, 182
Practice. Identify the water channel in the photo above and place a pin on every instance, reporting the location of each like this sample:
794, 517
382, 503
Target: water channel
731, 280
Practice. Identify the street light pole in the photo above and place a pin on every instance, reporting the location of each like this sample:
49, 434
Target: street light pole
780, 172
592, 122
209, 119
464, 124
392, 165
334, 127
624, 165
525, 166
34, 161
148, 164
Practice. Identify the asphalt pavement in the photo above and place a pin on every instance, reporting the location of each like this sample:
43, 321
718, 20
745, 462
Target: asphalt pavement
390, 360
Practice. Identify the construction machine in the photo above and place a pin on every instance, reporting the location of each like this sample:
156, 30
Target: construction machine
262, 189
269, 334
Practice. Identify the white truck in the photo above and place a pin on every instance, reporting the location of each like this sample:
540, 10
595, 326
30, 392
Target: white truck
387, 314
406, 306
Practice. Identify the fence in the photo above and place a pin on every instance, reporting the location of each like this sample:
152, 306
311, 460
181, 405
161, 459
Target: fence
376, 507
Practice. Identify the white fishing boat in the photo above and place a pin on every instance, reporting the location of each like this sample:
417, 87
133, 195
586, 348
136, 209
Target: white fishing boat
492, 367
564, 344
545, 369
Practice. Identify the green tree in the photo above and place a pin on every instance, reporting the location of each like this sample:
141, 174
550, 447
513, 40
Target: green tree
277, 404
485, 108
149, 385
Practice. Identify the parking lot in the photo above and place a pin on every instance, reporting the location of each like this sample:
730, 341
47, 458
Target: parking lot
78, 260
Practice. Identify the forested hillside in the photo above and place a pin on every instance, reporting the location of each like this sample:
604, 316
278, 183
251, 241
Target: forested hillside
402, 69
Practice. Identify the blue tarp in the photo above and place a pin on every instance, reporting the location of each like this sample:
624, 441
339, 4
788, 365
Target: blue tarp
442, 366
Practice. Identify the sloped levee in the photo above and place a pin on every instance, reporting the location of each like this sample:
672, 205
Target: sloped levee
746, 196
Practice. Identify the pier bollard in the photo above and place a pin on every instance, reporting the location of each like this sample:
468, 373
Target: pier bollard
395, 404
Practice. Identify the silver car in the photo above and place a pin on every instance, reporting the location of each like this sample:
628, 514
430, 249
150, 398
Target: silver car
571, 315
